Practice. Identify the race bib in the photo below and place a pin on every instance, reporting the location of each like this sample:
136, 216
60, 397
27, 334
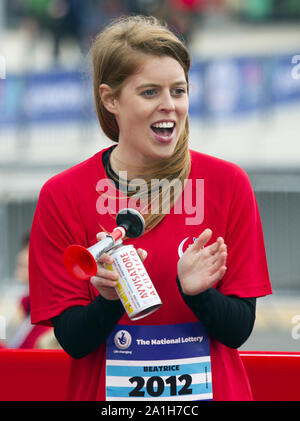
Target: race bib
169, 362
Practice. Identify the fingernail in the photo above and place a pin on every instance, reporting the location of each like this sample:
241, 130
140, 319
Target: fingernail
143, 253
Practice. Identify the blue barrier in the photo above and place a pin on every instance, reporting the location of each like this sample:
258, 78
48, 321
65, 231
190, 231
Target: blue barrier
45, 97
219, 87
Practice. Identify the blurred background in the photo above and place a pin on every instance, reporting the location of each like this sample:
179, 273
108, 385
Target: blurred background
244, 107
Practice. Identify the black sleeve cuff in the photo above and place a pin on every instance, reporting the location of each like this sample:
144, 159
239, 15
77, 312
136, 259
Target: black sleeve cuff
82, 329
228, 319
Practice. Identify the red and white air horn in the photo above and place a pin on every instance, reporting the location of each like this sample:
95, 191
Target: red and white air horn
81, 262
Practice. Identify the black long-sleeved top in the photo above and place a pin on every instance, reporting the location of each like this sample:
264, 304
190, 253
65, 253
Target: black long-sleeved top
82, 329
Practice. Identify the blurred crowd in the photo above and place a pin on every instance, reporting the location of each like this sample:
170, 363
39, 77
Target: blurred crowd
80, 20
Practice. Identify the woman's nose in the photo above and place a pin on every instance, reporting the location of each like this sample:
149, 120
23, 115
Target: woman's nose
167, 102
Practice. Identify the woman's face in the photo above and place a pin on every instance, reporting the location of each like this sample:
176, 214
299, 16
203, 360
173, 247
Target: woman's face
151, 111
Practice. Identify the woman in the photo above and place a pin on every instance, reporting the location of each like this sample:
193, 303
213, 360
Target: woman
207, 261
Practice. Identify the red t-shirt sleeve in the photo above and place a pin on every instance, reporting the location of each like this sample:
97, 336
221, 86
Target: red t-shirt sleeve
56, 224
247, 271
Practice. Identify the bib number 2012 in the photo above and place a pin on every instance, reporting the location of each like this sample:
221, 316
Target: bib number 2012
155, 386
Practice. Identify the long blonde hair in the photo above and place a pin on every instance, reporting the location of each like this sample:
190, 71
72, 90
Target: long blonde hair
117, 53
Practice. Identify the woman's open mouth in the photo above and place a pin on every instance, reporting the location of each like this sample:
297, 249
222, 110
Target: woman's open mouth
163, 131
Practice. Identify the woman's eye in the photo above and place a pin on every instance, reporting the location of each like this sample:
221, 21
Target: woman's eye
149, 92
179, 91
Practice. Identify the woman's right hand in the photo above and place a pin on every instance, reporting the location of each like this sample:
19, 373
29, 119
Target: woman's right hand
106, 280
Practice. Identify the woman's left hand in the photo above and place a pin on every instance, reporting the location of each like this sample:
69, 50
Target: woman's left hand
199, 268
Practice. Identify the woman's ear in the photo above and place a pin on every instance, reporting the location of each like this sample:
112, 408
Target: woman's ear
107, 97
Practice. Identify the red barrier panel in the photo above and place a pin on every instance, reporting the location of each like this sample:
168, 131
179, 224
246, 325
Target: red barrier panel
274, 376
42, 375
33, 375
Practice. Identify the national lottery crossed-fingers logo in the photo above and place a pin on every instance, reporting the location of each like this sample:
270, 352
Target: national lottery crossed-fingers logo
122, 339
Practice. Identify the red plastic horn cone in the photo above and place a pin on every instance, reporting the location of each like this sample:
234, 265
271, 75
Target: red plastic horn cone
79, 262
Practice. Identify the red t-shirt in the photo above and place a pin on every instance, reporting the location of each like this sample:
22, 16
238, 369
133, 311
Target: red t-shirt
68, 212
